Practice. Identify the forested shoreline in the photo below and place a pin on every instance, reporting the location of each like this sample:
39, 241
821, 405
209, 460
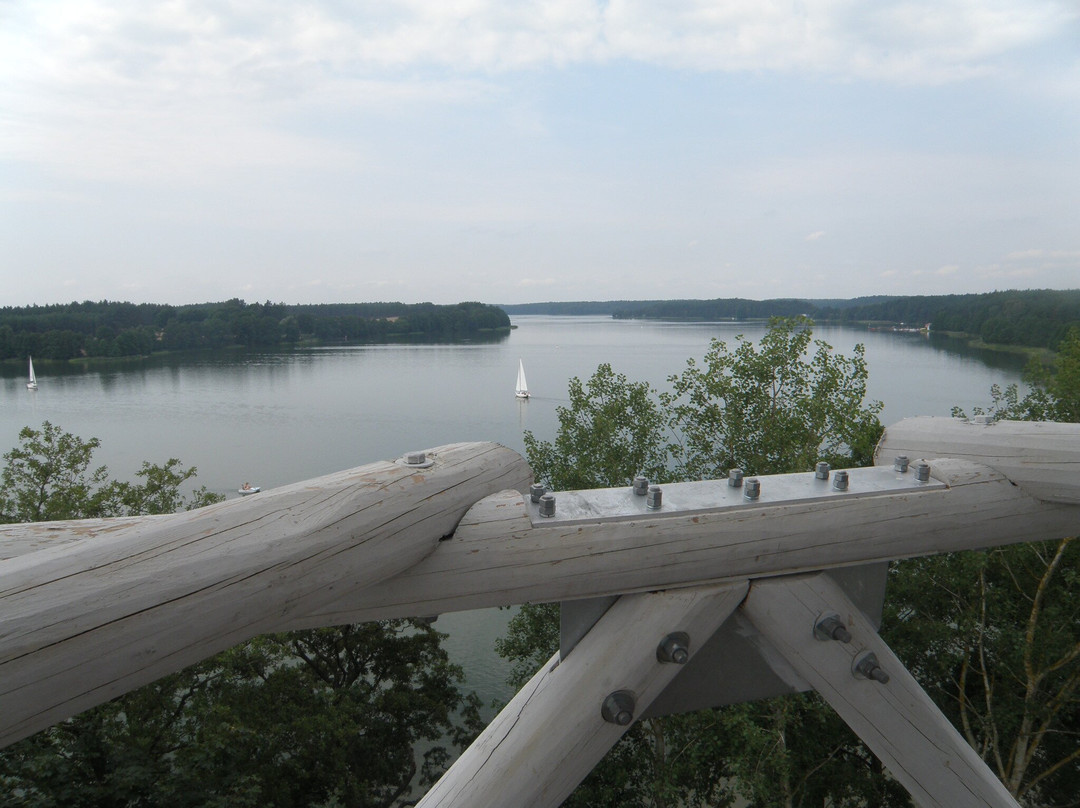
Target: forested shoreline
116, 329
1037, 318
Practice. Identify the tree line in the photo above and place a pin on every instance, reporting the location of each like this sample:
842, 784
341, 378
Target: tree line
115, 329
1029, 318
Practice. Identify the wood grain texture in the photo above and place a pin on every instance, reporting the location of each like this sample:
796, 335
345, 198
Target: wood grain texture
501, 554
85, 621
897, 720
1042, 458
542, 744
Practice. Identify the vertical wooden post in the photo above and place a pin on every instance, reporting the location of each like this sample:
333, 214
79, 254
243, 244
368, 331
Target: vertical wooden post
895, 718
549, 737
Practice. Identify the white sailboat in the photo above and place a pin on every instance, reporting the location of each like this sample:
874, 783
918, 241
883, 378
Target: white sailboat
522, 389
32, 384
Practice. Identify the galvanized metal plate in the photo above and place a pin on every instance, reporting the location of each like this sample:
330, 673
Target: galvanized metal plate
682, 499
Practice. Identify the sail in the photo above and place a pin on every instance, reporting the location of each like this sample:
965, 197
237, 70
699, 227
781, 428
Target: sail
32, 383
522, 389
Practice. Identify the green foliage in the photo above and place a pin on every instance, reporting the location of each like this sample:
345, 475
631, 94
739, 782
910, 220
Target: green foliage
612, 431
312, 718
994, 637
47, 477
766, 408
769, 409
1053, 394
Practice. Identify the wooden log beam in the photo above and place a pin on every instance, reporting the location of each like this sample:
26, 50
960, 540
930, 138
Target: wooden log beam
503, 552
896, 719
122, 603
549, 737
1043, 458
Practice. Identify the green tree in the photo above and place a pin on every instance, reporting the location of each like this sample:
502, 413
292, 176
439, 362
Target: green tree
767, 408
612, 431
47, 477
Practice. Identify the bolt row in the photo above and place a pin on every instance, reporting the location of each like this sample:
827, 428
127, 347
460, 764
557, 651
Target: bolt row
829, 626
654, 495
618, 707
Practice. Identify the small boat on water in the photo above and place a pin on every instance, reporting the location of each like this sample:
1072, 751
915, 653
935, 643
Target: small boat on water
248, 488
32, 383
522, 389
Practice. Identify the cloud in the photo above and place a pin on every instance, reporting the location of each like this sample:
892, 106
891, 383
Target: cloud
948, 269
817, 234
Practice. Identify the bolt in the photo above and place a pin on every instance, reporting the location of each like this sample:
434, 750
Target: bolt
618, 708
865, 666
675, 647
922, 472
536, 490
831, 627
415, 458
752, 489
822, 471
900, 463
983, 419
840, 481
655, 498
547, 505
734, 478
641, 485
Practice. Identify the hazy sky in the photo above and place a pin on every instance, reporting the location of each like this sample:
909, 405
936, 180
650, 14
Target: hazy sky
195, 150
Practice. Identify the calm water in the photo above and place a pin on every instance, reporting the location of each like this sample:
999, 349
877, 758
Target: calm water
275, 418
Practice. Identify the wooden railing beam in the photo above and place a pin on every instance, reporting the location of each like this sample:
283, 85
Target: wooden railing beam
895, 718
552, 734
93, 618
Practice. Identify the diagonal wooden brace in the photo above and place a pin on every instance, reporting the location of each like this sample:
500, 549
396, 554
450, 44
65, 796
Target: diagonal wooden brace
896, 718
549, 737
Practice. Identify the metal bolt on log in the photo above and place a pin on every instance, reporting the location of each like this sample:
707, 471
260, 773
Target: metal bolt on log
675, 647
735, 478
547, 505
831, 627
822, 471
865, 666
840, 481
618, 708
752, 488
655, 498
641, 485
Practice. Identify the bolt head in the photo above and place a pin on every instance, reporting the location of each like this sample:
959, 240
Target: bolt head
618, 708
547, 505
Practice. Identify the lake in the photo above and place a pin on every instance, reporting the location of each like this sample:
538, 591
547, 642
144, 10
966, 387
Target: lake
278, 417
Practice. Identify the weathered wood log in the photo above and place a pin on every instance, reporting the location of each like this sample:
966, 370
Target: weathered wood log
896, 718
88, 620
1043, 458
503, 552
552, 733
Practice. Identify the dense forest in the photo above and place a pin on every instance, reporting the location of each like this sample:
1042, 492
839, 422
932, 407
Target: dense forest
114, 329
1032, 318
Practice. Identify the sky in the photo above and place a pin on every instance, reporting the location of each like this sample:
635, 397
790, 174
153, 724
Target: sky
185, 151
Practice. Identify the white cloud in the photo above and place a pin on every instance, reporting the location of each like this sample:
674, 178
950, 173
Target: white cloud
817, 234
